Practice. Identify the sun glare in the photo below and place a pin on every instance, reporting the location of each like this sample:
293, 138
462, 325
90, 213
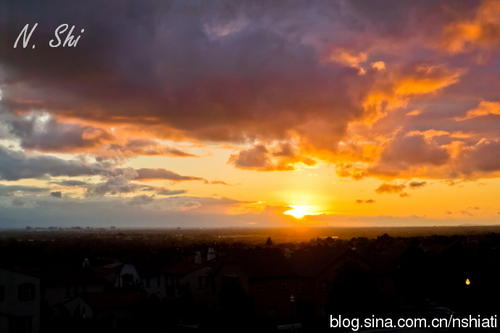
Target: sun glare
299, 211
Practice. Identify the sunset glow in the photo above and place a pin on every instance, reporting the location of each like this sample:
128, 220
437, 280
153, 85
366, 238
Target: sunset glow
299, 211
249, 115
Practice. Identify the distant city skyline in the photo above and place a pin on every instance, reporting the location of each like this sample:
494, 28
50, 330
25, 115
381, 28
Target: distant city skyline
250, 114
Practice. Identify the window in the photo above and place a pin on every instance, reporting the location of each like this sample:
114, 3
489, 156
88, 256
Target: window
202, 282
20, 324
170, 285
2, 293
127, 280
26, 292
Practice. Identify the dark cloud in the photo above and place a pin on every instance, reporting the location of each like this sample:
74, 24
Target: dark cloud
19, 202
262, 158
143, 147
118, 183
416, 184
484, 157
261, 73
6, 190
404, 153
367, 201
56, 194
141, 200
216, 182
390, 188
40, 131
169, 192
204, 72
152, 174
100, 212
253, 158
121, 181
15, 165
413, 150
485, 23
70, 182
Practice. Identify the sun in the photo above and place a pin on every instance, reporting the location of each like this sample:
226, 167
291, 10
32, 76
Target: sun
299, 211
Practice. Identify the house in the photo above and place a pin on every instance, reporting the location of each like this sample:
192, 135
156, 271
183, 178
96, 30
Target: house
113, 310
332, 278
153, 281
191, 278
19, 302
287, 288
263, 283
120, 275
61, 283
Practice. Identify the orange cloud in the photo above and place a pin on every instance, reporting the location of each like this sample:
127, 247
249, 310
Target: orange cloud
390, 188
367, 201
41, 131
291, 95
395, 89
484, 109
350, 59
482, 30
280, 157
413, 113
426, 79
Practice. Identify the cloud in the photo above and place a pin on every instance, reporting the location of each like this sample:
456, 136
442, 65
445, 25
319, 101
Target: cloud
425, 78
378, 65
404, 153
115, 185
480, 31
278, 157
8, 190
481, 158
21, 202
368, 201
484, 108
142, 147
259, 73
121, 181
169, 192
70, 182
390, 188
396, 88
57, 194
41, 131
15, 165
145, 211
415, 184
216, 182
414, 113
350, 59
222, 87
281, 80
141, 200
155, 174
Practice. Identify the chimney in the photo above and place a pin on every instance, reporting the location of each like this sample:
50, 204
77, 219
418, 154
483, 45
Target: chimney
210, 254
197, 257
86, 263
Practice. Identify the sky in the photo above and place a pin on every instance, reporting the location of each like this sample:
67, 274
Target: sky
251, 114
